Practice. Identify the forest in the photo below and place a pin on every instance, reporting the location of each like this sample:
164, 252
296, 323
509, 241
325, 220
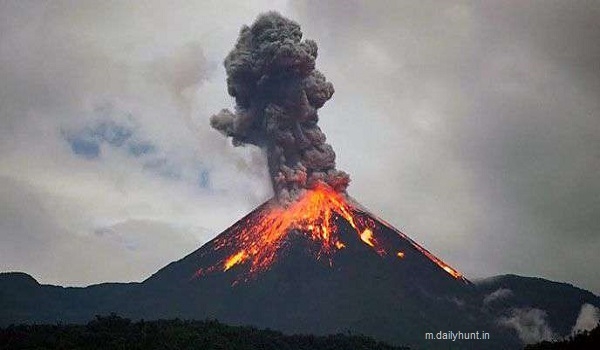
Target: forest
583, 340
115, 332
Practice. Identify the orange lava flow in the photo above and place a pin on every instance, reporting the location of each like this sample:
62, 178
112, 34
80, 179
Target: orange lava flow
260, 237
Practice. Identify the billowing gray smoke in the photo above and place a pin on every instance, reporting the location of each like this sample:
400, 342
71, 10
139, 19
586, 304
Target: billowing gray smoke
271, 73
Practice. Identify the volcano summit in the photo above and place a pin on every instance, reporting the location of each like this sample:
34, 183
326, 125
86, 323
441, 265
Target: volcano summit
258, 239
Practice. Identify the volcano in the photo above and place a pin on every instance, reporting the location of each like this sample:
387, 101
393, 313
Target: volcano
312, 259
323, 265
320, 266
257, 241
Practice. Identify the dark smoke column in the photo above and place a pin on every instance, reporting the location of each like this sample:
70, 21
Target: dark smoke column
271, 73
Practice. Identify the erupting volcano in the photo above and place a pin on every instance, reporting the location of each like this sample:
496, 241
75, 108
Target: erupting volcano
271, 73
323, 264
311, 259
258, 239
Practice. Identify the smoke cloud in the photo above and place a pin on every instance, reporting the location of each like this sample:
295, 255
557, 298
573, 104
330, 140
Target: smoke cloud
499, 294
271, 74
588, 319
530, 325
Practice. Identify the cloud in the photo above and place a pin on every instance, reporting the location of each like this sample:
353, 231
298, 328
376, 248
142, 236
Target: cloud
499, 294
87, 142
37, 240
588, 319
530, 325
271, 74
109, 168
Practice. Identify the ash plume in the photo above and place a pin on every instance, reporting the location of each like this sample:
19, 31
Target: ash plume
271, 74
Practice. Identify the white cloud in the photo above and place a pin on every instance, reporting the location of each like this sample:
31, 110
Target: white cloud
588, 318
499, 294
530, 325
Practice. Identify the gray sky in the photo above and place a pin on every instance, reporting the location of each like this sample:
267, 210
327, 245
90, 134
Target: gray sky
471, 126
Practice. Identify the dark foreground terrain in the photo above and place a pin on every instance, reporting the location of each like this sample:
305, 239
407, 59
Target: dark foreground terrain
114, 332
585, 340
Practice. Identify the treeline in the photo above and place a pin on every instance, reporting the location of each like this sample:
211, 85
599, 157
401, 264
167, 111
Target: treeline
114, 332
584, 340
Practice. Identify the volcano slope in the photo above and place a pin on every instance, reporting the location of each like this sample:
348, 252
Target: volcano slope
324, 265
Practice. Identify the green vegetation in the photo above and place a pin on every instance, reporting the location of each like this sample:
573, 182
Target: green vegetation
114, 332
584, 340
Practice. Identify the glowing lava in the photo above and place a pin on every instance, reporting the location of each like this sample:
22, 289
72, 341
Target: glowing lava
259, 238
367, 237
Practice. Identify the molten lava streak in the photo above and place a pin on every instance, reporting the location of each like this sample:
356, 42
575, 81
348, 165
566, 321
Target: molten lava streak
260, 238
